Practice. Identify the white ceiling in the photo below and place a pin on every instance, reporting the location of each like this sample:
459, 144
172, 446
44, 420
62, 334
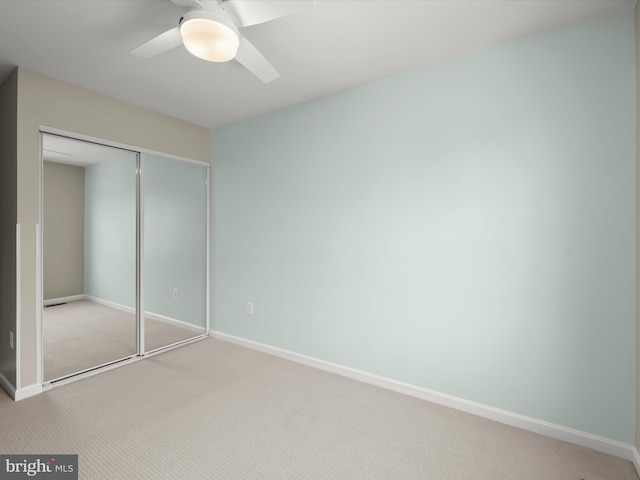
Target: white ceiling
334, 45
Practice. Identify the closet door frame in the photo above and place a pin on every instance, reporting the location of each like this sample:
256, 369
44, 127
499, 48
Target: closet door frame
140, 153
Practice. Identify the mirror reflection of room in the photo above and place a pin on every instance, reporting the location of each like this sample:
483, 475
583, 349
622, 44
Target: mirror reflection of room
89, 255
89, 235
175, 250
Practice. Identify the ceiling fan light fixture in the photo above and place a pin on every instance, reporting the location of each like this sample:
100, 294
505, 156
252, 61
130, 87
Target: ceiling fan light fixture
210, 35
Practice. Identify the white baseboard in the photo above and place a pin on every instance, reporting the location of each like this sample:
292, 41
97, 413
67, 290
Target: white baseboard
27, 392
636, 460
55, 301
111, 304
150, 315
8, 386
570, 435
20, 393
173, 321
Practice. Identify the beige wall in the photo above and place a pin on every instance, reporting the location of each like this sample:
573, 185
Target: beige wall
44, 101
8, 211
63, 230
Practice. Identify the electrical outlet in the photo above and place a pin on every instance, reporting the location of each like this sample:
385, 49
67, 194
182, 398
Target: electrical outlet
249, 308
11, 340
175, 293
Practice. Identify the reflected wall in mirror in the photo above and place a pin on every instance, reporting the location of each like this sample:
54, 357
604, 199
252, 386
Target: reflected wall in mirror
89, 252
175, 250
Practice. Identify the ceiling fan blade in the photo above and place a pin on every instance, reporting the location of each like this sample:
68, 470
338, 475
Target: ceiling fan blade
188, 3
249, 57
160, 44
252, 12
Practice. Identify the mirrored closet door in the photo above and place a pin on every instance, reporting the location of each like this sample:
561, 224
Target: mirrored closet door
124, 265
89, 254
175, 250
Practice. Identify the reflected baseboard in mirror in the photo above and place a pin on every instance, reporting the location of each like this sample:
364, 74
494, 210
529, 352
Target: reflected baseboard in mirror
83, 334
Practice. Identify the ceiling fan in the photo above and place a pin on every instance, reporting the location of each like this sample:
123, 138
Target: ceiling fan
209, 30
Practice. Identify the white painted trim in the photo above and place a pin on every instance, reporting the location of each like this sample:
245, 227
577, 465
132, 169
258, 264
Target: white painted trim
71, 298
39, 266
114, 362
8, 386
636, 460
173, 321
38, 306
570, 435
21, 393
150, 315
27, 392
111, 304
90, 372
123, 146
17, 338
110, 366
208, 256
140, 326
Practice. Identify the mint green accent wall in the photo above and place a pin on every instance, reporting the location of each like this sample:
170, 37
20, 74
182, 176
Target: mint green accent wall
175, 214
467, 227
110, 231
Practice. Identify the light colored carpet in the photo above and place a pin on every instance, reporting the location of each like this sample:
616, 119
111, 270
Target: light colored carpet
213, 410
82, 334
